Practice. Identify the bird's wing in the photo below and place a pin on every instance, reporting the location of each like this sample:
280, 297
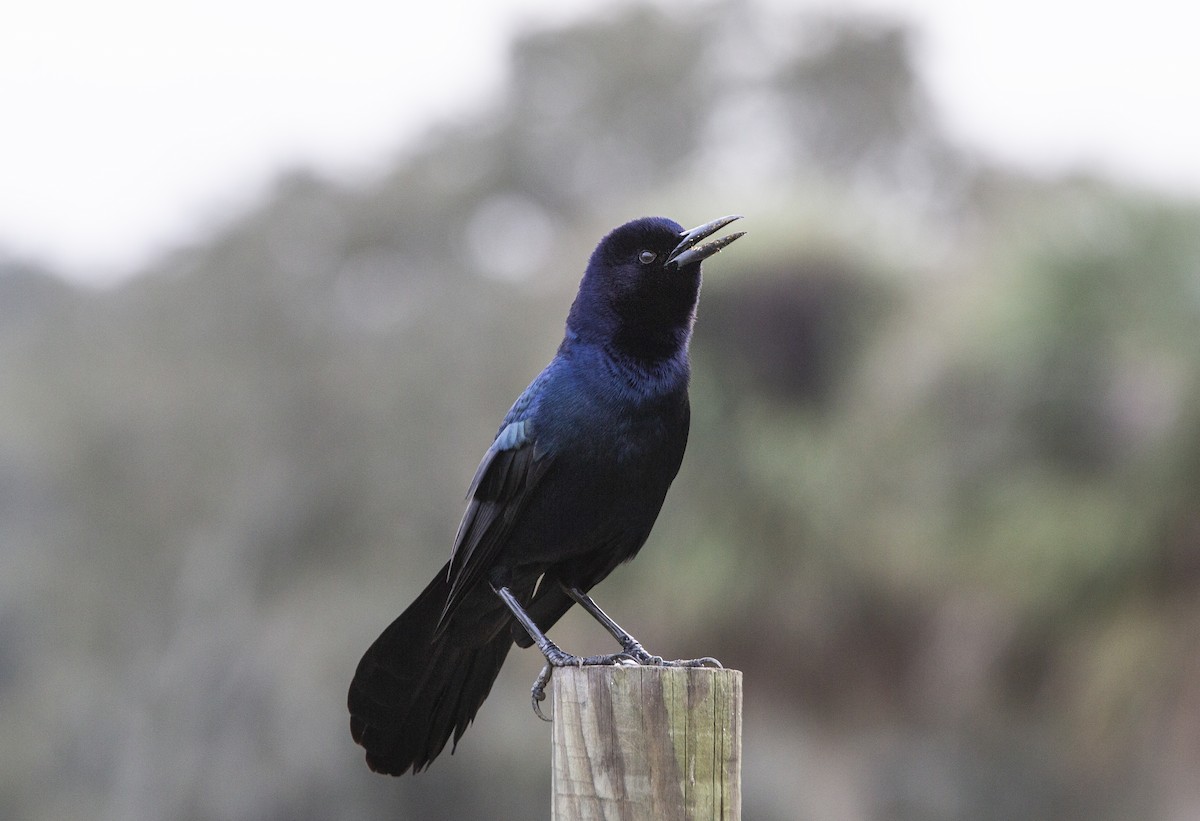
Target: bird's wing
508, 475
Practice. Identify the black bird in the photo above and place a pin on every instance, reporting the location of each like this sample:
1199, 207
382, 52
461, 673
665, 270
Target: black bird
568, 490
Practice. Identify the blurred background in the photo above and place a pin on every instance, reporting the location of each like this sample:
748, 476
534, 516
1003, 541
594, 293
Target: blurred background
942, 498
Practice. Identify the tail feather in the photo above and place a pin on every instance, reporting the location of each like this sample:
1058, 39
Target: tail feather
412, 692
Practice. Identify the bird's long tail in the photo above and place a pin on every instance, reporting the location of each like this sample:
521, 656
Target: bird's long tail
412, 691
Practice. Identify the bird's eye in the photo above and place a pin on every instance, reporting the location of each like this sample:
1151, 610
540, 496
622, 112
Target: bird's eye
646, 257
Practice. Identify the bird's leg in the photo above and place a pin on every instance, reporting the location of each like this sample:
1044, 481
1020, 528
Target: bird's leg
555, 656
629, 645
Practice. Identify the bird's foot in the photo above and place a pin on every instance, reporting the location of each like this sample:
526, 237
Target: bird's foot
633, 655
707, 661
556, 657
639, 654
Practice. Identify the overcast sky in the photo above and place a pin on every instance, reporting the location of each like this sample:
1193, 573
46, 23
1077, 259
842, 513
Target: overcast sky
128, 123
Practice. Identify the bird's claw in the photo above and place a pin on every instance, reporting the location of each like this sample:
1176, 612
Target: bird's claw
556, 657
635, 651
706, 661
538, 692
559, 658
639, 654
607, 660
631, 655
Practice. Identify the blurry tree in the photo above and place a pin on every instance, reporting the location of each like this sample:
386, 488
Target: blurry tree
855, 103
607, 108
940, 502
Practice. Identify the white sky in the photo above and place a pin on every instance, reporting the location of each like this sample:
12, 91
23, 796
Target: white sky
126, 124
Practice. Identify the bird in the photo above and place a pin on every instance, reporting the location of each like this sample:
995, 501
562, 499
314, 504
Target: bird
569, 489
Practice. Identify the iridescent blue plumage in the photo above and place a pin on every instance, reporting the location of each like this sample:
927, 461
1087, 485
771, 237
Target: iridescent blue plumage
569, 488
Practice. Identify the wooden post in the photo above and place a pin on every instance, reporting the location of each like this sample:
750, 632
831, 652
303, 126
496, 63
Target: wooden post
662, 743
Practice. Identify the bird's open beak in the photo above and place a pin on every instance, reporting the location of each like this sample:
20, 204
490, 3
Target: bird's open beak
688, 250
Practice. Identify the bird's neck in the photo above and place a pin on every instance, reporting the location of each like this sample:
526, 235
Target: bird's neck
650, 343
643, 376
644, 339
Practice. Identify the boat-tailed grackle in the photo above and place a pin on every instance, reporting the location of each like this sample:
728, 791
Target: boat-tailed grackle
568, 490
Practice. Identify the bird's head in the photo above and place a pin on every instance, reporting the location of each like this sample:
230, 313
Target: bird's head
641, 286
